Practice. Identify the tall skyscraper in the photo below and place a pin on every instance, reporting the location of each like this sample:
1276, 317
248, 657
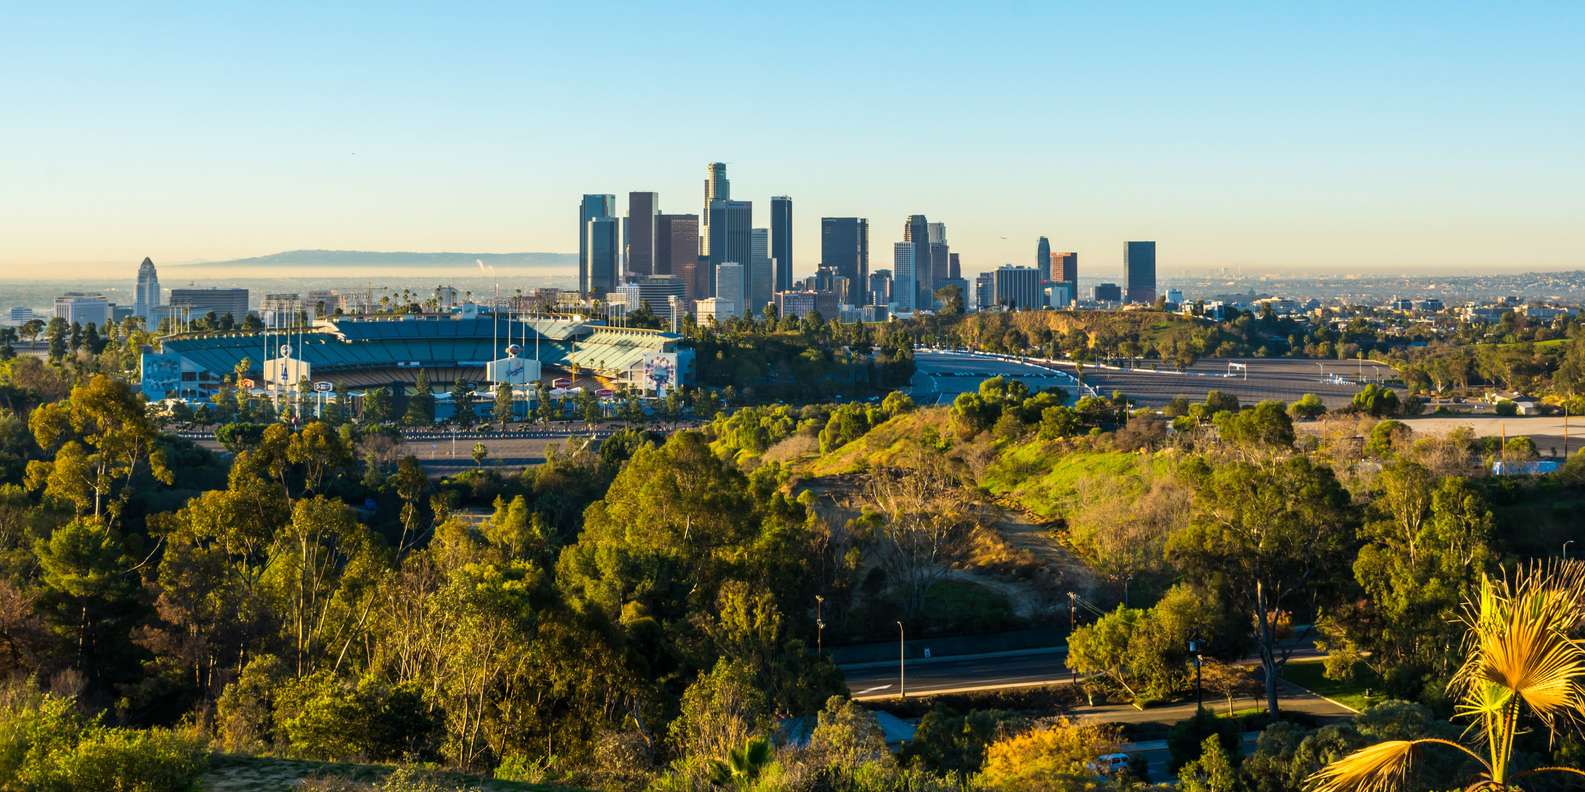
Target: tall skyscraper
1139, 271
716, 188
781, 240
905, 286
730, 239
640, 233
760, 277
593, 207
602, 248
677, 251
940, 259
730, 286
146, 297
1065, 271
845, 245
920, 280
954, 268
880, 287
1043, 258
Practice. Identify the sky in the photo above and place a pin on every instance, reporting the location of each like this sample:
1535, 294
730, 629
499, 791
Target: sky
1279, 138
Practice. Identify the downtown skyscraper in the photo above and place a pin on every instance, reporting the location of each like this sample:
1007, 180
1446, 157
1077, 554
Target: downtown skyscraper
912, 290
716, 188
730, 237
761, 278
594, 208
639, 239
1139, 272
845, 247
677, 252
146, 296
781, 241
1043, 259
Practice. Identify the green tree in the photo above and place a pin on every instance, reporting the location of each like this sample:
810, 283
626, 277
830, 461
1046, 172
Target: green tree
321, 563
100, 437
1270, 536
321, 453
1307, 408
480, 451
1212, 772
503, 404
421, 407
378, 406
89, 596
464, 402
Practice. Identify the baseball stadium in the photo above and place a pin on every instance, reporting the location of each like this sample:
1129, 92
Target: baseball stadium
354, 354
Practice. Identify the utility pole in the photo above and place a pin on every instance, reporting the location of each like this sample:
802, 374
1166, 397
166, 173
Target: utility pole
1072, 625
820, 626
1199, 700
902, 663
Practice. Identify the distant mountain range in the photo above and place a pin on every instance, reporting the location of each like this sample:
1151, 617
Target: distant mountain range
374, 258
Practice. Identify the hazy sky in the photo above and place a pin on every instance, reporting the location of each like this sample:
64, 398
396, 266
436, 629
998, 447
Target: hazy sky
1285, 138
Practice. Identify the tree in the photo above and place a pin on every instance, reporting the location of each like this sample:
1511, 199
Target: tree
480, 451
378, 406
918, 513
503, 404
1307, 408
320, 451
1212, 772
421, 407
1271, 536
88, 594
720, 712
1523, 660
1052, 757
319, 564
464, 403
1377, 400
1266, 424
100, 436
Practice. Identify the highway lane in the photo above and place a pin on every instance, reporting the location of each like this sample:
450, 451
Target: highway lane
879, 680
940, 375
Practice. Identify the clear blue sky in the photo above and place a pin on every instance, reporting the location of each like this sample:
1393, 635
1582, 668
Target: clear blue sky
1284, 138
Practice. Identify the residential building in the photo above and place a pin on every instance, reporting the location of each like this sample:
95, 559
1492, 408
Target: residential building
640, 238
82, 308
845, 246
591, 208
1016, 287
146, 295
781, 241
197, 303
1139, 271
601, 269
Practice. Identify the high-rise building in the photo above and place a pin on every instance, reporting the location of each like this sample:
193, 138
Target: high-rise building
716, 188
984, 291
81, 308
1065, 273
654, 292
954, 268
905, 287
601, 251
1139, 271
845, 245
592, 207
940, 258
677, 251
731, 286
916, 232
146, 296
880, 287
760, 276
198, 303
1016, 287
1043, 258
730, 237
640, 234
781, 240
1107, 293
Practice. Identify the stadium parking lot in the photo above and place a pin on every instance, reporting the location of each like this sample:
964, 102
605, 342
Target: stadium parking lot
1282, 379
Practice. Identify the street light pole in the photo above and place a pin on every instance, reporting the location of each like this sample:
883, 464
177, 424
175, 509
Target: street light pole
1199, 700
902, 663
820, 626
1565, 547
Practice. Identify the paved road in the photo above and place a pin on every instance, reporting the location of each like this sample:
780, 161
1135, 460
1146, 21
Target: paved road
1283, 379
939, 375
879, 680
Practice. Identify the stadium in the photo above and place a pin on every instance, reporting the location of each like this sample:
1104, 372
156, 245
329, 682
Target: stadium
354, 354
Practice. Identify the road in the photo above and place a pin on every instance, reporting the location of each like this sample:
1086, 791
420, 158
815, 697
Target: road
940, 375
1283, 379
942, 675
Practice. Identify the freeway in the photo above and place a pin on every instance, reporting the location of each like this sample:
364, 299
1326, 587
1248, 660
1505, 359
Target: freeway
960, 674
940, 375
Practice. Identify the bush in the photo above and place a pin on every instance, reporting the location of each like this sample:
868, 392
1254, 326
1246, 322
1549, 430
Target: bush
1307, 408
1187, 737
1507, 408
46, 744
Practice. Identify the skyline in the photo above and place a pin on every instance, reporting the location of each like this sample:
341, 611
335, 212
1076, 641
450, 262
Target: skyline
1419, 139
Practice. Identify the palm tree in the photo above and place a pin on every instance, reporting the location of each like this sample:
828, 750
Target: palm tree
1522, 661
742, 765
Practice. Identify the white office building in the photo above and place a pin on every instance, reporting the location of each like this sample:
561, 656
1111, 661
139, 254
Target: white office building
731, 285
83, 309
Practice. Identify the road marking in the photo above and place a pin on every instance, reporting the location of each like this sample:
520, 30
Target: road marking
872, 690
